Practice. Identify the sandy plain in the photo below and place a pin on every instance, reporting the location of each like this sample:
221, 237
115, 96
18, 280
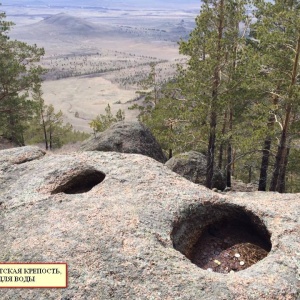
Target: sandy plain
97, 57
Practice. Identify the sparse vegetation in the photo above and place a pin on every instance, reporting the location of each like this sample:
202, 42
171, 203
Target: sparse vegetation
102, 122
128, 69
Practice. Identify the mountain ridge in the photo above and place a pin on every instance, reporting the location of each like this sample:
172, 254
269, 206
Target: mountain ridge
69, 22
63, 25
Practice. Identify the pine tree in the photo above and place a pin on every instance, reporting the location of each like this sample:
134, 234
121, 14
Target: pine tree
148, 93
102, 122
47, 125
40, 114
212, 50
19, 73
278, 33
171, 123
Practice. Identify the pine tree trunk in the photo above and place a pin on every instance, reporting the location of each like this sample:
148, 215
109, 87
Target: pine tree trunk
50, 137
233, 162
230, 156
281, 153
229, 152
45, 137
262, 185
170, 140
44, 129
281, 182
221, 151
276, 170
229, 165
250, 174
220, 159
170, 153
213, 106
211, 150
278, 179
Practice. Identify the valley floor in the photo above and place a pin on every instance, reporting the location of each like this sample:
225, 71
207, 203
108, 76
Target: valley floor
97, 58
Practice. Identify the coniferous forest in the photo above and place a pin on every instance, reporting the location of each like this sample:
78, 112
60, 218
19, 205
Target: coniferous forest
237, 97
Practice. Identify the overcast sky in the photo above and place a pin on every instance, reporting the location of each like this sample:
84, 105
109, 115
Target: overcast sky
107, 3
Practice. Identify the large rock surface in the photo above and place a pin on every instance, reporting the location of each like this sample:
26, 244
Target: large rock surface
192, 165
117, 238
16, 156
126, 137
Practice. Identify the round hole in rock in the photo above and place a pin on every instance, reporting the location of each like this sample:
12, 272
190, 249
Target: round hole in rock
221, 238
81, 183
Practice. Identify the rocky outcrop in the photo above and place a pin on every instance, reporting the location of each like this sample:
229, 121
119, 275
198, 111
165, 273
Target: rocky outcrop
192, 165
128, 228
126, 137
16, 156
11, 161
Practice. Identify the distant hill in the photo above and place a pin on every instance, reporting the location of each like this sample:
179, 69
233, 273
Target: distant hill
60, 25
65, 27
66, 22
